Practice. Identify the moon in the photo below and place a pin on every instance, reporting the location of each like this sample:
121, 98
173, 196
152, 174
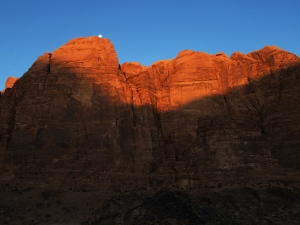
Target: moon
100, 36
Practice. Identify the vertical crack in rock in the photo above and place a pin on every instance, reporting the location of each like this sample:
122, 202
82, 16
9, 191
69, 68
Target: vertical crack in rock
49, 65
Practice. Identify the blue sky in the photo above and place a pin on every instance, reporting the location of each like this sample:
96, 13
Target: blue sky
144, 30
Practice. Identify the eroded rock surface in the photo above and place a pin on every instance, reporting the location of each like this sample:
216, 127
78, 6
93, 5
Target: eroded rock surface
77, 117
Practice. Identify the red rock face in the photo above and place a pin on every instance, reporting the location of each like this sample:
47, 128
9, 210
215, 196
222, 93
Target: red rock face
79, 117
10, 82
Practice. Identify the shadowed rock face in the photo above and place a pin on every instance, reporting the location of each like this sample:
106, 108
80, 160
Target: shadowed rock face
79, 117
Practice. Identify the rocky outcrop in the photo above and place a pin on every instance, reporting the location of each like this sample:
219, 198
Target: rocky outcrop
80, 118
10, 81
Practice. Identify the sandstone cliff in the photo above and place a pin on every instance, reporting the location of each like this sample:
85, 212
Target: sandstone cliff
78, 117
10, 81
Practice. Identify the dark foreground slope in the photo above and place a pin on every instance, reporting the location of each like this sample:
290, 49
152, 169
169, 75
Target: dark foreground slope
237, 203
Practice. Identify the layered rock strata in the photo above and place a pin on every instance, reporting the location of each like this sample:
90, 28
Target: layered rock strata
78, 117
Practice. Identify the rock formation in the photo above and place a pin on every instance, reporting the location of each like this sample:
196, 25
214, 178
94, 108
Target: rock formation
77, 117
10, 81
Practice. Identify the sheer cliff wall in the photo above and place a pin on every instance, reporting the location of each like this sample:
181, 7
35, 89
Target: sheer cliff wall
77, 117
